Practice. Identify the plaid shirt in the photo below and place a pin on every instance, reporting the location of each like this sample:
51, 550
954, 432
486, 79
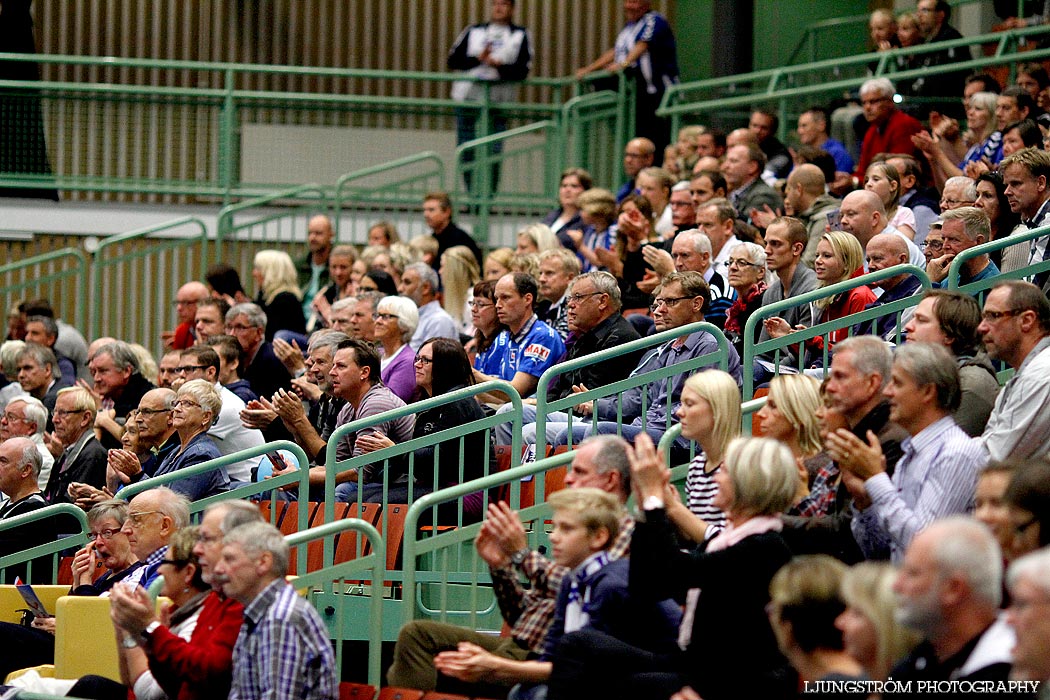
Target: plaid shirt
283, 650
530, 612
821, 498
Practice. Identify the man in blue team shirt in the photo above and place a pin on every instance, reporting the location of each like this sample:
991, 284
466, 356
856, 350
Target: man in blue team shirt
528, 346
646, 45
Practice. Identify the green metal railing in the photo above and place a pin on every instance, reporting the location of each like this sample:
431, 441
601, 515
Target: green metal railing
67, 540
776, 345
789, 87
135, 277
330, 596
400, 183
112, 131
57, 275
810, 44
274, 220
979, 288
544, 407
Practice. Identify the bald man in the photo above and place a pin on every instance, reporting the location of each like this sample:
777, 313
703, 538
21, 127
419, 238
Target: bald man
313, 269
186, 300
886, 250
864, 215
806, 199
638, 154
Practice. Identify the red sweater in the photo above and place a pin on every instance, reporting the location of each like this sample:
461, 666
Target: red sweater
892, 137
201, 667
844, 304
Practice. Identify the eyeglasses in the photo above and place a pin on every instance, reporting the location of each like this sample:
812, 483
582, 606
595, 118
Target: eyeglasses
153, 411
956, 202
189, 368
577, 298
60, 413
186, 403
208, 539
932, 245
106, 534
736, 262
420, 360
479, 304
9, 417
388, 317
136, 518
669, 302
993, 316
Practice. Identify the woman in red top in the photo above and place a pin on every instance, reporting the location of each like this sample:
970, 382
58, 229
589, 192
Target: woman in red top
839, 258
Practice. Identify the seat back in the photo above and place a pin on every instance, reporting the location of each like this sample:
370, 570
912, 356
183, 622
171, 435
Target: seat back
11, 601
356, 691
84, 639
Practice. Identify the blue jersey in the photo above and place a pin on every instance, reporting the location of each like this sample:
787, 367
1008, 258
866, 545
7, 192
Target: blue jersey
489, 361
659, 65
532, 350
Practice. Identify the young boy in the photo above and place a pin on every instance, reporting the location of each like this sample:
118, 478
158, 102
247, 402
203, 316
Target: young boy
594, 595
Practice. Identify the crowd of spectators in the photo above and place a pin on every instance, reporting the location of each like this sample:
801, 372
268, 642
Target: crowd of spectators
864, 537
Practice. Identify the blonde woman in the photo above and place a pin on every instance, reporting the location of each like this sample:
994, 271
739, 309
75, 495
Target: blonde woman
497, 264
790, 416
709, 414
459, 273
871, 633
839, 258
536, 238
277, 292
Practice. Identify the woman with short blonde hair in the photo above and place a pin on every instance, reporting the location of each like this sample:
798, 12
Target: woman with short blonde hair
277, 292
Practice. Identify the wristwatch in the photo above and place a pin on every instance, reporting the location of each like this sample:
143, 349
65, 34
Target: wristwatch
652, 503
129, 642
518, 557
150, 629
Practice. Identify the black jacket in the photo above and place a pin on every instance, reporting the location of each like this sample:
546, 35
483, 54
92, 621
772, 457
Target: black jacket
613, 331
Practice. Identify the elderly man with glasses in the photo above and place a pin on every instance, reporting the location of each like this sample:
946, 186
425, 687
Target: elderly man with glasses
154, 517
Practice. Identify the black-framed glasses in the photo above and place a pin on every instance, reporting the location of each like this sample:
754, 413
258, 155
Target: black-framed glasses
577, 298
60, 412
669, 302
932, 245
388, 317
153, 411
420, 360
106, 534
189, 368
992, 316
740, 262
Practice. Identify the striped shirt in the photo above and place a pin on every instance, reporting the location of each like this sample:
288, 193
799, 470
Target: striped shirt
283, 650
700, 490
936, 477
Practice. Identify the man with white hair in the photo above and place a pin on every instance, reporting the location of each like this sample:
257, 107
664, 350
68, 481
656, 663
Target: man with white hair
420, 283
963, 228
958, 191
26, 417
19, 474
1029, 583
283, 650
890, 130
949, 588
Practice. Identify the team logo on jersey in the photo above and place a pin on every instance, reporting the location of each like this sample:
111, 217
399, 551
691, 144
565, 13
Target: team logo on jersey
537, 352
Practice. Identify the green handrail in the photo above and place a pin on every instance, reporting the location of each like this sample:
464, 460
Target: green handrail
753, 350
48, 548
955, 269
330, 573
300, 477
673, 104
545, 407
79, 274
810, 35
412, 547
169, 255
334, 466
388, 193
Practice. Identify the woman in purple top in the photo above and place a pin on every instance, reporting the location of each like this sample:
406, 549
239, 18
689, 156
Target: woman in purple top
396, 319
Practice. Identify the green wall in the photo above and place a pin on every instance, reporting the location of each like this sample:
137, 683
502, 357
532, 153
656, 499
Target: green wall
779, 25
